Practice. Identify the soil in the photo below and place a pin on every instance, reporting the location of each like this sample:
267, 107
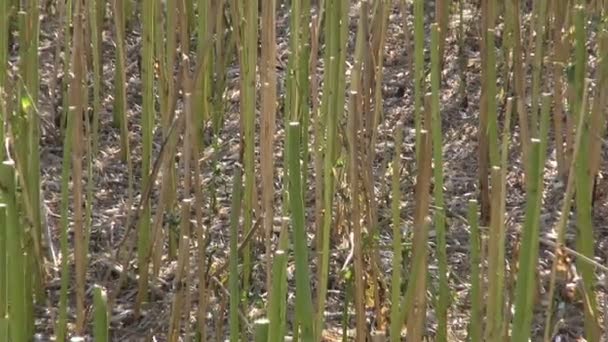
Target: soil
460, 124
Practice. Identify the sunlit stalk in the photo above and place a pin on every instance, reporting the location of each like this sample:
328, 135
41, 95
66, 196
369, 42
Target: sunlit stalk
528, 254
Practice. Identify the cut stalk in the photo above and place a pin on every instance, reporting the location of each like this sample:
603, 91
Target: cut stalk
396, 324
475, 328
278, 297
528, 254
16, 283
303, 293
101, 315
235, 214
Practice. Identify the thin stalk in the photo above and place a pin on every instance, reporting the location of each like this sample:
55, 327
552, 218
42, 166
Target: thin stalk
597, 120
443, 293
415, 297
442, 17
269, 99
560, 56
29, 37
96, 27
496, 266
331, 114
396, 324
560, 227
482, 132
4, 34
67, 51
148, 115
512, 13
3, 273
235, 213
492, 105
475, 329
418, 71
537, 67
354, 113
66, 167
585, 238
120, 94
528, 254
180, 283
374, 73
78, 103
248, 17
317, 132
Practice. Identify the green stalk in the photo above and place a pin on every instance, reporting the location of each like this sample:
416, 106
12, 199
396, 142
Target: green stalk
418, 70
565, 210
167, 100
77, 109
15, 265
30, 162
355, 111
94, 16
528, 255
538, 63
503, 202
474, 332
268, 77
585, 239
181, 275
491, 80
3, 274
248, 62
298, 89
443, 295
304, 308
4, 33
396, 324
278, 297
100, 324
60, 329
261, 330
333, 92
4, 324
67, 52
148, 116
414, 302
120, 94
496, 266
233, 278
93, 128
